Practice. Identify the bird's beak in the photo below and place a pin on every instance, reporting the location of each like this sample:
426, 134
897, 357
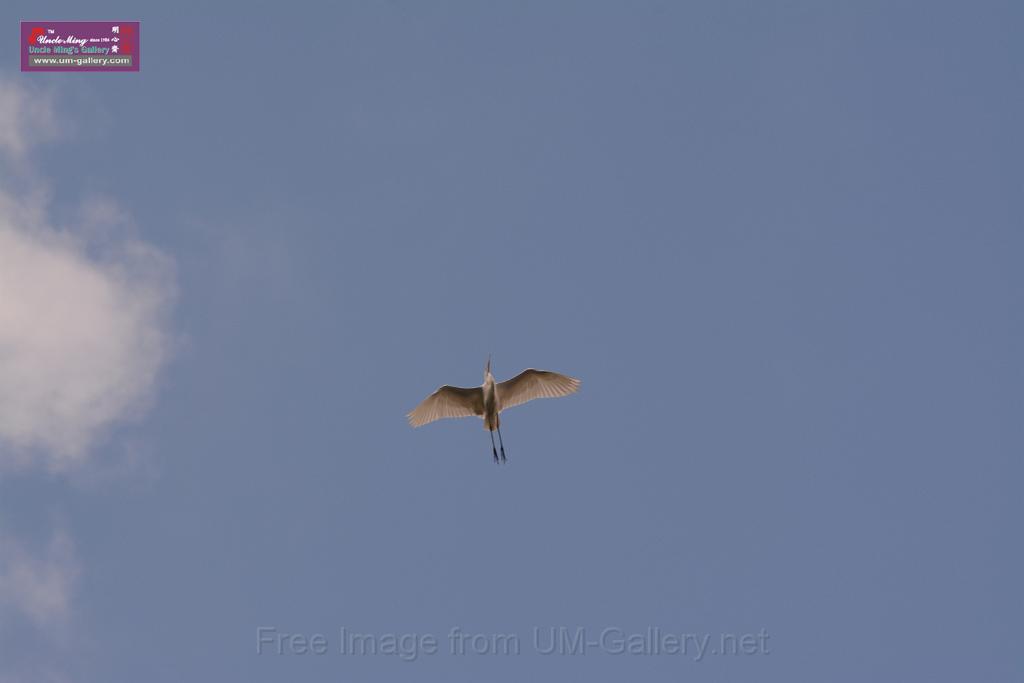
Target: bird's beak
488, 369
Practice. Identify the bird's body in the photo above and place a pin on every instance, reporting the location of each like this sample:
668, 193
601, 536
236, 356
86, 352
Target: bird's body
490, 392
489, 399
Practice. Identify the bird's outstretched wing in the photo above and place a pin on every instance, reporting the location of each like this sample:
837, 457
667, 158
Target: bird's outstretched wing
448, 401
530, 384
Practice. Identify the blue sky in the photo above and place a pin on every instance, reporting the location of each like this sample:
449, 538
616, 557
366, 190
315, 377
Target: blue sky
779, 243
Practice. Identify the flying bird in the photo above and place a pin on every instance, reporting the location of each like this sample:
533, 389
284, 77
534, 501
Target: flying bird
490, 398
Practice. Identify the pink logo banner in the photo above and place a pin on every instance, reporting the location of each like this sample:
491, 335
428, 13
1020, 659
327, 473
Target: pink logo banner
80, 46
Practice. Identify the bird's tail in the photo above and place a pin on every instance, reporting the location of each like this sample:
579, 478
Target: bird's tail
492, 422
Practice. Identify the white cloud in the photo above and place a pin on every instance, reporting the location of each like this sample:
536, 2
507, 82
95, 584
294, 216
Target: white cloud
83, 338
83, 309
38, 586
27, 117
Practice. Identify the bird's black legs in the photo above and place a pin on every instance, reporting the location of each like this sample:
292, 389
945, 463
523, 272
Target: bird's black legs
500, 442
495, 450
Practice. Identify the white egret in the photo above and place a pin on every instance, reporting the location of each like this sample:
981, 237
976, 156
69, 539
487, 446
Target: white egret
489, 399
